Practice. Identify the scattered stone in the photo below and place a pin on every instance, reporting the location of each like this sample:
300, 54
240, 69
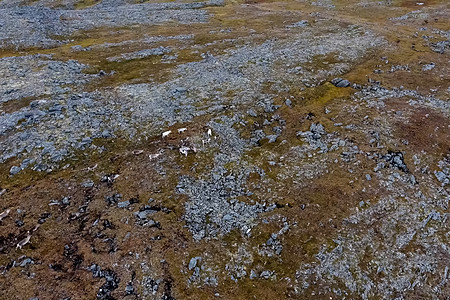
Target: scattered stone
129, 289
65, 201
396, 68
252, 113
442, 177
396, 160
440, 47
87, 184
143, 217
123, 204
266, 274
106, 134
272, 138
112, 282
127, 203
428, 67
26, 261
86, 141
302, 23
232, 186
14, 170
145, 213
193, 262
113, 199
159, 51
339, 82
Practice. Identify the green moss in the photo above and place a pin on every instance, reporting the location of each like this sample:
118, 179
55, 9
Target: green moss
85, 3
323, 94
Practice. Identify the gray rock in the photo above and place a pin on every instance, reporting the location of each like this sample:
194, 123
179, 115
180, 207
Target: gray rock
129, 289
86, 141
14, 170
78, 48
87, 184
442, 177
179, 90
26, 162
277, 129
159, 51
106, 134
26, 261
65, 200
396, 160
266, 274
428, 67
302, 23
252, 113
193, 262
227, 217
123, 204
57, 108
339, 82
143, 215
113, 199
272, 138
441, 46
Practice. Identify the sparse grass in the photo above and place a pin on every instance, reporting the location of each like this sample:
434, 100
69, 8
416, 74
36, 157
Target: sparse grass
82, 4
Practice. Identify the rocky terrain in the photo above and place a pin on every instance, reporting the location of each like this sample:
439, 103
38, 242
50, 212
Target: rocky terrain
224, 149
